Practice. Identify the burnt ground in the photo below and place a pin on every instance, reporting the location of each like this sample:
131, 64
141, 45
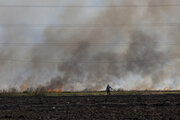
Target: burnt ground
125, 107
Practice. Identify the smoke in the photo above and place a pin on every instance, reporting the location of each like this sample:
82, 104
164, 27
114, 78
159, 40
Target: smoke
94, 47
141, 57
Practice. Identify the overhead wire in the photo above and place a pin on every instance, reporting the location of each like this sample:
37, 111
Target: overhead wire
91, 6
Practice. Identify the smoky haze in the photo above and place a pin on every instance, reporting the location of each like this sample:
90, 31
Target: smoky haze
86, 48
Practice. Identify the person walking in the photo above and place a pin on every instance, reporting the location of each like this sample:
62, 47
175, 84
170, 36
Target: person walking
108, 89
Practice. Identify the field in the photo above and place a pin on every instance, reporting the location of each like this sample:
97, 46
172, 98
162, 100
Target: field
130, 105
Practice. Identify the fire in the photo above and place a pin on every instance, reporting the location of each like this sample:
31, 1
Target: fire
24, 87
50, 90
147, 89
59, 89
71, 89
95, 89
138, 87
167, 88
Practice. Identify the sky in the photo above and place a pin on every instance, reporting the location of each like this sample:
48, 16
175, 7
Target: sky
37, 35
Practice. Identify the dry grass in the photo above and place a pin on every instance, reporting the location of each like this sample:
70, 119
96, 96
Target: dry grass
43, 92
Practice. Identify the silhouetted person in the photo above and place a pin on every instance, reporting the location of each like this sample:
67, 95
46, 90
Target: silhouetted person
108, 89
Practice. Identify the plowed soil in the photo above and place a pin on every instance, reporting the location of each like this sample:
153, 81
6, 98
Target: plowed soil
116, 107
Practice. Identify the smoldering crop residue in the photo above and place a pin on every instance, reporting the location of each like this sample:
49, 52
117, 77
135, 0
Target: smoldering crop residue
114, 45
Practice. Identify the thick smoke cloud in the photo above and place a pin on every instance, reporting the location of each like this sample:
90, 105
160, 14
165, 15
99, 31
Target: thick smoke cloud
141, 57
94, 47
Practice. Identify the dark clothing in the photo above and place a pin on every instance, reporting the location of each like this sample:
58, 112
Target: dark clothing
108, 92
108, 89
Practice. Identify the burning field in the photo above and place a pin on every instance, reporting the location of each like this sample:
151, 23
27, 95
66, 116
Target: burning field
53, 52
128, 44
101, 107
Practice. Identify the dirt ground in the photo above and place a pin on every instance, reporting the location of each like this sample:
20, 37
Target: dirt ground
121, 107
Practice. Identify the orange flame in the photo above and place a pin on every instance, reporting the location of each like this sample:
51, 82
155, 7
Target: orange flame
94, 89
24, 87
147, 89
59, 89
71, 89
50, 90
167, 88
138, 87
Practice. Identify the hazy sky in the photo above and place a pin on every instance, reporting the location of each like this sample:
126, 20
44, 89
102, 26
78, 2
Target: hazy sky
22, 24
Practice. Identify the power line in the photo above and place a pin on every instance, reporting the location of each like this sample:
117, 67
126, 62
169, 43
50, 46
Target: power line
89, 25
83, 62
90, 6
84, 26
88, 44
